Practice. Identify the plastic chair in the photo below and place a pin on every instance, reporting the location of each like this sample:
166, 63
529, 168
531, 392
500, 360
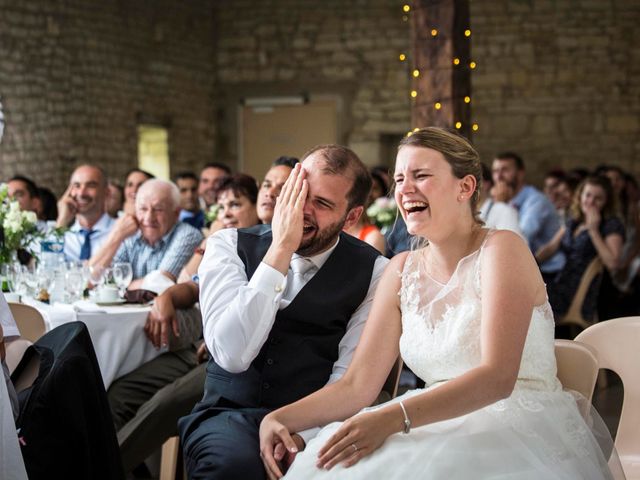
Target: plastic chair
617, 342
171, 467
29, 321
574, 314
15, 351
577, 368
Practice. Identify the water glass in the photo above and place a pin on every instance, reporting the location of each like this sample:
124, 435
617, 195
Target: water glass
122, 275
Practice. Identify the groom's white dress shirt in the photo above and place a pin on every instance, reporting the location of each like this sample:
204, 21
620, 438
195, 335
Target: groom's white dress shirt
238, 314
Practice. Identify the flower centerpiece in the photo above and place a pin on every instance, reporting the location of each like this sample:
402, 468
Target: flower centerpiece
383, 212
18, 229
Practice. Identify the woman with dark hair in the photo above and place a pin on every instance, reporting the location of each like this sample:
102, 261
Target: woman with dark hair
236, 197
592, 230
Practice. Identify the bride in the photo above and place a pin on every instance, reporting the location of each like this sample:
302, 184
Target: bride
469, 315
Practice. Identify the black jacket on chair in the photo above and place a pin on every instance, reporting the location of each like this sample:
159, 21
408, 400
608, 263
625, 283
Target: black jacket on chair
65, 424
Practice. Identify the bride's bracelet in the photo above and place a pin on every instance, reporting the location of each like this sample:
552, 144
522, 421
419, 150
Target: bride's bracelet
407, 422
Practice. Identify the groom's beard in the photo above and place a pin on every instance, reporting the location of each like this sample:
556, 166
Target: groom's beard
322, 239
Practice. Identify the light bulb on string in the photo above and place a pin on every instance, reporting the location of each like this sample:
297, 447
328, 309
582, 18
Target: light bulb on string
458, 125
402, 57
415, 129
434, 32
406, 8
456, 61
416, 73
414, 93
475, 127
472, 65
437, 106
467, 33
467, 99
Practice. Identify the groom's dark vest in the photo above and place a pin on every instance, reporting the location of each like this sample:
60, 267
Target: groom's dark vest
300, 351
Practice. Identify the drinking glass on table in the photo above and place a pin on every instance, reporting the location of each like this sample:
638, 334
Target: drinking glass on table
74, 283
122, 275
98, 275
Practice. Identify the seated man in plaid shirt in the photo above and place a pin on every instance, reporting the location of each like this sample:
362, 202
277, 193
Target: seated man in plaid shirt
153, 241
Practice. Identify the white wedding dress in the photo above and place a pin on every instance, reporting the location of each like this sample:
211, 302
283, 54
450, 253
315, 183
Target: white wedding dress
537, 433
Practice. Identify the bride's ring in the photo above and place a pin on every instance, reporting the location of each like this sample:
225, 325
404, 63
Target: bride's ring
355, 448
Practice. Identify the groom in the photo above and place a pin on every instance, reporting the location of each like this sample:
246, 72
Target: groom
283, 308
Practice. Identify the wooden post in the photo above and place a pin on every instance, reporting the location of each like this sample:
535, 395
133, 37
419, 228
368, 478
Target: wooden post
440, 80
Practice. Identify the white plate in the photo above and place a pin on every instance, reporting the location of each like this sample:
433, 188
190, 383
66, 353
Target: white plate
120, 301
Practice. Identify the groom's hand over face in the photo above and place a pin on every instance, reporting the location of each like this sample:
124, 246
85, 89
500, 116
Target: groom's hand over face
288, 221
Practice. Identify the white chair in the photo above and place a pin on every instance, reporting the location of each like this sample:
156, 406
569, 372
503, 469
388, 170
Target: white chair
577, 369
617, 343
15, 351
574, 314
29, 321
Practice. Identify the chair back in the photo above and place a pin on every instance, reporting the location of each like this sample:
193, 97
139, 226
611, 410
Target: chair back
574, 314
617, 342
15, 351
391, 383
29, 321
577, 368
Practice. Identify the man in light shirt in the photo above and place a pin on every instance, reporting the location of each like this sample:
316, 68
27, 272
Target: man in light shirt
283, 308
537, 217
83, 204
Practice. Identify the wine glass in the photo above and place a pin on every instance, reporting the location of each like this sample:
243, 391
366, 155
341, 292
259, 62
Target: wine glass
122, 275
98, 275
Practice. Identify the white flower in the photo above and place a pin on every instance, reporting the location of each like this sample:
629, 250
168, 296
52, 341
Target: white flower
30, 217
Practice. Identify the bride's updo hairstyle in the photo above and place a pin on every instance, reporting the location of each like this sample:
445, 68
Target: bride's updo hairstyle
456, 150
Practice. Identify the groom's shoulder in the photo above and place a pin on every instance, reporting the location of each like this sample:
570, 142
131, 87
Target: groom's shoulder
357, 246
260, 230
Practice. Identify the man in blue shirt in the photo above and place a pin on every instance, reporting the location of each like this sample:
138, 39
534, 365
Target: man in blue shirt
153, 240
537, 216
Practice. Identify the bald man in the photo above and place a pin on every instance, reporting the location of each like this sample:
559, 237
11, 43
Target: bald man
153, 239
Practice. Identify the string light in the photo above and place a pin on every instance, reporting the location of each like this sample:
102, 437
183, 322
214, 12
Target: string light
438, 106
416, 129
416, 73
456, 61
467, 99
458, 125
402, 57
472, 65
475, 127
406, 9
467, 33
405, 18
414, 94
434, 32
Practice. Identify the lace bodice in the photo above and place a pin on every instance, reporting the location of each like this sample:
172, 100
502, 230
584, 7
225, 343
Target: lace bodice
441, 326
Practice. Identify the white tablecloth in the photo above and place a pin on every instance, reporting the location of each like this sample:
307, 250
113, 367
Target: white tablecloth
117, 333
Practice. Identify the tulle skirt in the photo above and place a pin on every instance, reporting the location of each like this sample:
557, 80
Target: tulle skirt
531, 435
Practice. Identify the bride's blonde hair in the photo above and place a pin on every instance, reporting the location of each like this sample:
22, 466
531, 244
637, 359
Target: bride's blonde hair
456, 150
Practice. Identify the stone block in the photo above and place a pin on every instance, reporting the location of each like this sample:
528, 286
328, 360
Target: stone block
622, 123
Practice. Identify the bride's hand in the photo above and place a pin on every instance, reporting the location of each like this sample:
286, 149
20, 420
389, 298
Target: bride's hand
356, 438
273, 436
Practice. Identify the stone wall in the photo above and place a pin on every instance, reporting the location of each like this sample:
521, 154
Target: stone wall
558, 81
78, 76
344, 48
